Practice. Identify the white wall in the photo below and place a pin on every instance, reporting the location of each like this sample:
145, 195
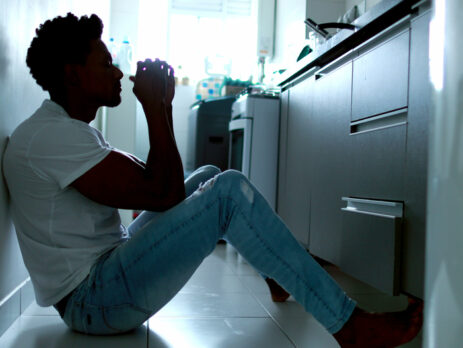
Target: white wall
121, 120
363, 4
125, 124
184, 98
19, 97
444, 263
289, 32
322, 11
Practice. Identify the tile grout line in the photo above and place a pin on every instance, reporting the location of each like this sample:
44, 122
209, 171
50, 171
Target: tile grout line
12, 293
272, 318
262, 305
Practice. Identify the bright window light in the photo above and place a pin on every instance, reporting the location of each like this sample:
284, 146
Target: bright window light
188, 37
437, 45
152, 29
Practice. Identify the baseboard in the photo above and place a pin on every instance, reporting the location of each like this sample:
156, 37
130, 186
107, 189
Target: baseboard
13, 305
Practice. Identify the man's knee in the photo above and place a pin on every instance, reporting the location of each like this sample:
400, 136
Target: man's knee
229, 181
210, 170
238, 183
233, 176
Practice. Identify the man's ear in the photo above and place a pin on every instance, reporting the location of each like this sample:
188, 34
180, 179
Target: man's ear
71, 75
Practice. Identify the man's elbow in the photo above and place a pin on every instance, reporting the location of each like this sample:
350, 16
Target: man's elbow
171, 197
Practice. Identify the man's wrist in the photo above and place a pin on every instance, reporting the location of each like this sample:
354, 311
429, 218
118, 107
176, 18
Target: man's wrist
153, 108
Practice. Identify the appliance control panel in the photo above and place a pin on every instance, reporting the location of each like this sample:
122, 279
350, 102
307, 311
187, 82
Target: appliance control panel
244, 106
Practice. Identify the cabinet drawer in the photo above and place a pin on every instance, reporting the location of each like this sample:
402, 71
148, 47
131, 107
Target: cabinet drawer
377, 157
370, 252
380, 78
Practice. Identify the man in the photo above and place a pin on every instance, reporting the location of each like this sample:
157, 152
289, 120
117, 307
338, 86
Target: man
66, 183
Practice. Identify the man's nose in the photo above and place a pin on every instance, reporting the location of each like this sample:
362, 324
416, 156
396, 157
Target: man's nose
118, 73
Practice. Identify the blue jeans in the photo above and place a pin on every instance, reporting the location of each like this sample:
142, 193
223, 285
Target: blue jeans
136, 279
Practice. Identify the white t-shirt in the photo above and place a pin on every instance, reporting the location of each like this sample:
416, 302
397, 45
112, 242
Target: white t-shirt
61, 233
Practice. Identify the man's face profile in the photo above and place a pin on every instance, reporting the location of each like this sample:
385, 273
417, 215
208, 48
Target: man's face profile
99, 79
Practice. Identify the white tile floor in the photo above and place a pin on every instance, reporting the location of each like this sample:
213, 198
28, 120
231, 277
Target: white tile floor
224, 305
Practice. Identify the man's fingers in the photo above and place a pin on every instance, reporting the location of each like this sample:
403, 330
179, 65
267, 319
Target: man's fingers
141, 67
160, 66
163, 66
157, 72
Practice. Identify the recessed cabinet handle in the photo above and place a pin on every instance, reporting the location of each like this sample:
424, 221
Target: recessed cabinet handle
390, 119
373, 207
420, 3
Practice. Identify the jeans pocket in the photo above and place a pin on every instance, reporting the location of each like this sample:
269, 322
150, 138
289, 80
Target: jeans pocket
124, 317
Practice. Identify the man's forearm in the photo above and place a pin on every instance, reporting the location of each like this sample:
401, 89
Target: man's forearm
164, 161
170, 119
178, 160
154, 86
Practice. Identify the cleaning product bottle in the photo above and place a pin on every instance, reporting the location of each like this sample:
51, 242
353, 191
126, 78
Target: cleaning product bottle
125, 56
114, 51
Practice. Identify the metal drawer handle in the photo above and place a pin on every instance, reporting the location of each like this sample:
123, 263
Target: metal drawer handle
390, 119
373, 207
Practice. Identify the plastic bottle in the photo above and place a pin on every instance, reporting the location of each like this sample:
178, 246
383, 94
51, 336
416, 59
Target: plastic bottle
125, 56
114, 51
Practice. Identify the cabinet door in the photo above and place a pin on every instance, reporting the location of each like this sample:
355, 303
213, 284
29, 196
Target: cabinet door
328, 144
293, 198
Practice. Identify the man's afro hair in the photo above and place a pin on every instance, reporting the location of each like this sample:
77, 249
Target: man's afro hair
61, 41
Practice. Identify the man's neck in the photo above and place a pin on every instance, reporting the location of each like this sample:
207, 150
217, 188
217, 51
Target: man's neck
76, 109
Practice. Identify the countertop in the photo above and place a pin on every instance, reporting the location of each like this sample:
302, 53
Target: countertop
378, 18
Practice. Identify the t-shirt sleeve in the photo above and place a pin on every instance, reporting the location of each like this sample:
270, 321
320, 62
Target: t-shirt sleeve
63, 152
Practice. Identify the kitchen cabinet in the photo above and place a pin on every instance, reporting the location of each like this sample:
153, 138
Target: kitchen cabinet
389, 162
372, 243
379, 118
376, 169
356, 130
293, 193
329, 125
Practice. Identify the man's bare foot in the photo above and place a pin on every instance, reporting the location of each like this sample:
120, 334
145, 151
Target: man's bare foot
381, 330
278, 293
